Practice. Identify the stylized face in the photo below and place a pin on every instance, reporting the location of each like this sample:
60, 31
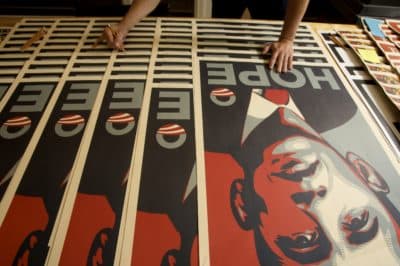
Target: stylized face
319, 210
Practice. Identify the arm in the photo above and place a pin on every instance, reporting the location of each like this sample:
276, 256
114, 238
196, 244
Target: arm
282, 50
139, 9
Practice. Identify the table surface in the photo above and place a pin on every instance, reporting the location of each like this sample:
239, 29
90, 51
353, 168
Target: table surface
160, 90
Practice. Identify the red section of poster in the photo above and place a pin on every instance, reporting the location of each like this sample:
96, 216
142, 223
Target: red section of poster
15, 229
155, 235
278, 96
221, 171
90, 215
194, 255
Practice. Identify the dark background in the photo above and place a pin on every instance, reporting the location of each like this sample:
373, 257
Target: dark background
331, 11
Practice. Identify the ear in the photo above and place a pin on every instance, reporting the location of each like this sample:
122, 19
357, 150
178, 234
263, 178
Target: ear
238, 205
369, 175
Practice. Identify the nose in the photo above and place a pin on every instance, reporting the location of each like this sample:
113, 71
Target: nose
306, 198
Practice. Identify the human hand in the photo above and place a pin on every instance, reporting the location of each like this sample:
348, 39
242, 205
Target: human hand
281, 55
114, 36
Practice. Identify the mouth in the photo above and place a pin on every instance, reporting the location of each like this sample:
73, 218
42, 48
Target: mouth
305, 247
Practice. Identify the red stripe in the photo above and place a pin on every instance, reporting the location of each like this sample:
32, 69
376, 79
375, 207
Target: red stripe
171, 129
172, 133
222, 92
19, 118
74, 122
126, 120
24, 123
70, 117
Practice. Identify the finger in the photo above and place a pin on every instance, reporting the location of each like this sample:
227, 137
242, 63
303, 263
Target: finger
266, 48
100, 39
290, 62
109, 36
118, 41
279, 63
285, 64
272, 61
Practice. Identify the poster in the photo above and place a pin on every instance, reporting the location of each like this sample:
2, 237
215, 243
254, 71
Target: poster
166, 218
193, 133
19, 119
30, 218
293, 173
94, 224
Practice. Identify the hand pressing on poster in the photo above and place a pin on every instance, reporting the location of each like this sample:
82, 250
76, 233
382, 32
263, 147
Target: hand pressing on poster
281, 55
282, 50
115, 34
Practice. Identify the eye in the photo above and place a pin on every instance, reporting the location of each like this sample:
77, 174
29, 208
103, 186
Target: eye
356, 221
359, 227
296, 171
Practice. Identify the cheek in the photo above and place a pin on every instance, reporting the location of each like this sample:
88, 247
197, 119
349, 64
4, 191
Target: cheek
283, 217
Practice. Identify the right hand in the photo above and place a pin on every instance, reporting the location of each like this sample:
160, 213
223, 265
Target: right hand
281, 55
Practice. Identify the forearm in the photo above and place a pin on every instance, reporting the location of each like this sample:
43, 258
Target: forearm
295, 11
138, 10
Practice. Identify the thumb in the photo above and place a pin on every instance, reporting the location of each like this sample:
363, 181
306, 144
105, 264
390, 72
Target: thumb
266, 48
108, 36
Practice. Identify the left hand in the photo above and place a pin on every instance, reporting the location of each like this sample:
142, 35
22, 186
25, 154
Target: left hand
114, 37
281, 55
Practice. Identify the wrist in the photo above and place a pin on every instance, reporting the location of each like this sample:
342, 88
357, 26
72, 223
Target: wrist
287, 39
123, 28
